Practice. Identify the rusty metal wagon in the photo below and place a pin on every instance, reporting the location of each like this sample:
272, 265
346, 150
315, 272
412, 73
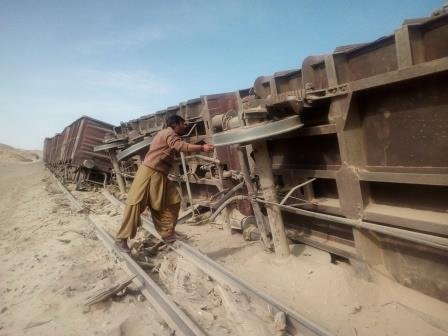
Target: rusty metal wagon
70, 154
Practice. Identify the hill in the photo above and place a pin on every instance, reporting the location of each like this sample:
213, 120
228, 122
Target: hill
11, 154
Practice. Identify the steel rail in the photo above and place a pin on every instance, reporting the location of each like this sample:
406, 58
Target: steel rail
294, 189
117, 203
172, 314
176, 319
412, 236
77, 205
296, 323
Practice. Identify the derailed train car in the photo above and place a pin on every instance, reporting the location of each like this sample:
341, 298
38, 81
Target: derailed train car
365, 176
70, 154
347, 154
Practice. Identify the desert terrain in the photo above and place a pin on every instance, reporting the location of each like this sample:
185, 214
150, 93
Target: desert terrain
52, 262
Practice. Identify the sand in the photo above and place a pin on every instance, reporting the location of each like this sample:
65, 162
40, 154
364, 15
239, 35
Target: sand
51, 261
332, 295
11, 154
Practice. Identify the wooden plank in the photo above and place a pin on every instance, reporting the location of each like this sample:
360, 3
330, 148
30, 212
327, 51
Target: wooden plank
105, 293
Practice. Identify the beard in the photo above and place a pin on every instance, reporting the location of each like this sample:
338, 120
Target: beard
181, 132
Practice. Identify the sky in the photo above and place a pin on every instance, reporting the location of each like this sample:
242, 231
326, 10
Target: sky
119, 60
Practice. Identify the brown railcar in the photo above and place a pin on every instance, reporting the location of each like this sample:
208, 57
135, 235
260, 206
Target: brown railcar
357, 140
71, 151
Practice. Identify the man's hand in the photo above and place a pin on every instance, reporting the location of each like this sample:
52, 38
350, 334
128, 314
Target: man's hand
207, 147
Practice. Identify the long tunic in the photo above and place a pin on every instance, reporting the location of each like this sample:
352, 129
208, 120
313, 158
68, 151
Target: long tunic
152, 188
160, 156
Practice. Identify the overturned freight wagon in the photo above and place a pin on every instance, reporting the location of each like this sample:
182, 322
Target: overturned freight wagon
70, 154
366, 175
347, 154
203, 179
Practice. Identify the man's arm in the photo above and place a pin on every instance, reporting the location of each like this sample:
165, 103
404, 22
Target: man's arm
200, 148
176, 143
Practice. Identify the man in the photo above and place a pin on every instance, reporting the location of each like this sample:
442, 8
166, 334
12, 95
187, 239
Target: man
152, 188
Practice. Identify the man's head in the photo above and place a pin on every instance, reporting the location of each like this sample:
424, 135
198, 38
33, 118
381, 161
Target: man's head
177, 123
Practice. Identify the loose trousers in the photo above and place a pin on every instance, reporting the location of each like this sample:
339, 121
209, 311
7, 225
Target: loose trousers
152, 189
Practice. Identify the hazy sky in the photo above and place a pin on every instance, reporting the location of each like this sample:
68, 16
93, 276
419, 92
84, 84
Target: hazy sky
118, 60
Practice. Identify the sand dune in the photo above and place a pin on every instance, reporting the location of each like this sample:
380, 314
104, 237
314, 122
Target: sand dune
11, 154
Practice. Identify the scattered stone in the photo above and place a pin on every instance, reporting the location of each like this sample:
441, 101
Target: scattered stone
251, 233
140, 298
280, 321
206, 317
69, 291
36, 324
356, 309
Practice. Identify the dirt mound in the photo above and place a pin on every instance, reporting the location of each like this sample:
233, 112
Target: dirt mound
11, 154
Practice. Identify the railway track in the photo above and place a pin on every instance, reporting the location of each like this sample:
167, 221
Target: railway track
177, 320
180, 322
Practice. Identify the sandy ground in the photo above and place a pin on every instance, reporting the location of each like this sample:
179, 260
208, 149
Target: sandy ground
11, 154
218, 309
51, 262
332, 295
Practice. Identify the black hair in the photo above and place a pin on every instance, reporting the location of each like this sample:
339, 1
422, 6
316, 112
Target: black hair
174, 120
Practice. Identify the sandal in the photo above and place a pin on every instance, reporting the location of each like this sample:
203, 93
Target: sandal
123, 246
173, 237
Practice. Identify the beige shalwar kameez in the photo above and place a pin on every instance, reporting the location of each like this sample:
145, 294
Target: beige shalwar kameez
151, 188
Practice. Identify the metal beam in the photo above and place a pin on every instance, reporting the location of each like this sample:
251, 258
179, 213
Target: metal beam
134, 149
266, 180
416, 237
